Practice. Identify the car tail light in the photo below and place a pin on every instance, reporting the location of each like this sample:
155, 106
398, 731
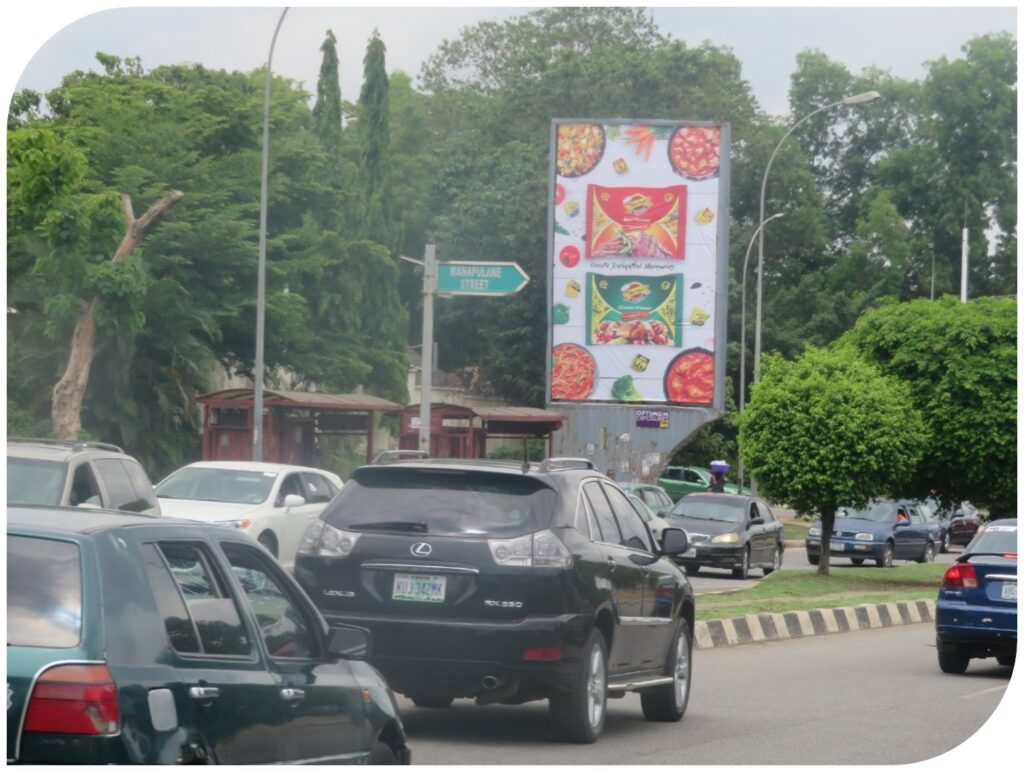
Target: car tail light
543, 654
542, 549
322, 539
74, 699
960, 575
1010, 555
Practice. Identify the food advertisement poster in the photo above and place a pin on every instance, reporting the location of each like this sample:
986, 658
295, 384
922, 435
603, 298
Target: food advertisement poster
636, 248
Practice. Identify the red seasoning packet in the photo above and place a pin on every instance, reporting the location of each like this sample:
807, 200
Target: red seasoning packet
642, 223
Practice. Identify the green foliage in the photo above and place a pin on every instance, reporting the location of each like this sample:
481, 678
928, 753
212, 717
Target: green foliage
959, 361
829, 430
536, 450
375, 135
327, 110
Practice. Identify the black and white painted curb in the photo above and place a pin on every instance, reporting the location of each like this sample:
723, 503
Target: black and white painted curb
756, 628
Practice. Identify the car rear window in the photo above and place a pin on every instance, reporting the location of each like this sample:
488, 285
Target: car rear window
996, 538
32, 481
441, 502
44, 593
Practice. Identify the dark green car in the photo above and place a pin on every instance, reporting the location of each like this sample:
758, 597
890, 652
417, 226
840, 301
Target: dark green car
679, 481
140, 639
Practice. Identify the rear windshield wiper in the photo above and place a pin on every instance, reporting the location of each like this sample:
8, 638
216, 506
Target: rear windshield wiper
391, 525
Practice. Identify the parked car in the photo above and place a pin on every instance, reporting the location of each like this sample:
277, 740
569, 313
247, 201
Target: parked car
976, 612
142, 639
274, 503
655, 522
487, 580
960, 522
729, 531
679, 481
885, 530
654, 497
77, 474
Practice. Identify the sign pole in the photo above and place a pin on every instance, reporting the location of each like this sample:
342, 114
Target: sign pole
427, 351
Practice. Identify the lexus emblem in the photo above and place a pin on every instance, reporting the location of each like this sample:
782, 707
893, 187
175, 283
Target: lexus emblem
421, 549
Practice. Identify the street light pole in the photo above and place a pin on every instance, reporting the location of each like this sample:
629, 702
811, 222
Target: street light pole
856, 99
743, 327
261, 280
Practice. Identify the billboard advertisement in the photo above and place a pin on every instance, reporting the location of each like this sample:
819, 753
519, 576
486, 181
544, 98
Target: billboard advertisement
636, 247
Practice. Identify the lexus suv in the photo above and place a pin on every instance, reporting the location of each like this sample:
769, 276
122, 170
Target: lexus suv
506, 583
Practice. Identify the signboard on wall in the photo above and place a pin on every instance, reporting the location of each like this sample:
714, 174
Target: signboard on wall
637, 248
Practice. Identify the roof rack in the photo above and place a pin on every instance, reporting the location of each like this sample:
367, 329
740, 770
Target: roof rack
556, 464
73, 444
392, 455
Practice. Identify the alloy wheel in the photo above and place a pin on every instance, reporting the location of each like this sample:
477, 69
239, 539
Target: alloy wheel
681, 676
596, 688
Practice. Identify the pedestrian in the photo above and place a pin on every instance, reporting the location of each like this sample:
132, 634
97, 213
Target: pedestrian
718, 470
611, 473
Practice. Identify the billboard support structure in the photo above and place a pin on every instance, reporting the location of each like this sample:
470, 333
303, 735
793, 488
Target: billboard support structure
629, 295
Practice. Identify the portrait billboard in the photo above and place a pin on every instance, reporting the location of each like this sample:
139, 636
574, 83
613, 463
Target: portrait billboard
637, 214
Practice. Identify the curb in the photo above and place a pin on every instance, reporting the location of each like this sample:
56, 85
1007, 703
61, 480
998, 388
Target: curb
758, 628
792, 544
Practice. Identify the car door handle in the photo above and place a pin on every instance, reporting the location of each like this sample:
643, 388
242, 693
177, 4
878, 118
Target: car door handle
204, 692
611, 563
289, 694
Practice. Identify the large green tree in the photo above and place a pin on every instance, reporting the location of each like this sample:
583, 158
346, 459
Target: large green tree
374, 128
959, 361
327, 109
829, 430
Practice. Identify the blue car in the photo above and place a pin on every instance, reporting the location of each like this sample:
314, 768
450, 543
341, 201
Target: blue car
884, 531
976, 613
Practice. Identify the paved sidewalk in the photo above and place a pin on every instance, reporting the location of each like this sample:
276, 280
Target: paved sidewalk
757, 628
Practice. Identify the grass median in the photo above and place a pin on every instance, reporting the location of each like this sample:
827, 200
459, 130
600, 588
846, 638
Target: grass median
796, 590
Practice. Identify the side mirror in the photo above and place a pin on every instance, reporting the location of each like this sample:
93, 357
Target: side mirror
348, 642
674, 541
293, 500
757, 521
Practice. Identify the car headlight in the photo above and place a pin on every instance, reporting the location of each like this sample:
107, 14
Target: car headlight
726, 538
864, 537
814, 532
241, 524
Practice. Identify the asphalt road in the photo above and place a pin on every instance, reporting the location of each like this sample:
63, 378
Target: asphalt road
871, 697
717, 580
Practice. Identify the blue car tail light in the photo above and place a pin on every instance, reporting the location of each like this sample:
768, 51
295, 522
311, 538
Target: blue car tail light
960, 576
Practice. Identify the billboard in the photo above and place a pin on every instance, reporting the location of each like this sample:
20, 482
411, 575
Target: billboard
638, 217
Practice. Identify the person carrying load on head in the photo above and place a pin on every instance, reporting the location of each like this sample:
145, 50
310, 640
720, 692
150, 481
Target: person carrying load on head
718, 470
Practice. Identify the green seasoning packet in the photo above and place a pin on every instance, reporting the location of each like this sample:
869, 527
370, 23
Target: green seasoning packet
645, 310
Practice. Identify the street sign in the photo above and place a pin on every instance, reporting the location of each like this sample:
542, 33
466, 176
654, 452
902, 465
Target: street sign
483, 278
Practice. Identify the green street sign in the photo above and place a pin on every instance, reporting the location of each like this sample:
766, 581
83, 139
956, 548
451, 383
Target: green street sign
466, 278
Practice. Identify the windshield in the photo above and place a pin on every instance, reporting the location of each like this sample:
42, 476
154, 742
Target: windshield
995, 538
31, 481
441, 502
230, 486
880, 512
703, 509
44, 593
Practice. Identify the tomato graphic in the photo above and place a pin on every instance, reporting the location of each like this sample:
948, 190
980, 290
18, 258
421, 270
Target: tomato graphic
559, 193
569, 256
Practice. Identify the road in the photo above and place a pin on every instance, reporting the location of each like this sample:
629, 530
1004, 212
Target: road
871, 697
716, 580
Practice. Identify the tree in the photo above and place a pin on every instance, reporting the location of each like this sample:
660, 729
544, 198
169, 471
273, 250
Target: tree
375, 135
327, 110
829, 430
959, 361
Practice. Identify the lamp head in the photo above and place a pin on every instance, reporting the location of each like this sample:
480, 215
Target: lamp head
857, 99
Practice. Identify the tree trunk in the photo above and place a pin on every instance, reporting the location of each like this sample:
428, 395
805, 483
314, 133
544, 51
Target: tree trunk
66, 404
828, 522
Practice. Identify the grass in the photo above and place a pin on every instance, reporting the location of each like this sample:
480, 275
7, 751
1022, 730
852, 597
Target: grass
795, 590
795, 530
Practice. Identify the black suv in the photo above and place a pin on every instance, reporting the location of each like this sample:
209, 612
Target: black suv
507, 583
77, 474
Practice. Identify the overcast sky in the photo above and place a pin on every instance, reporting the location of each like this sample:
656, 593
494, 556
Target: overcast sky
42, 41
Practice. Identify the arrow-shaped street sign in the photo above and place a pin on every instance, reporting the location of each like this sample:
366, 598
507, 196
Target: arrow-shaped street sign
482, 278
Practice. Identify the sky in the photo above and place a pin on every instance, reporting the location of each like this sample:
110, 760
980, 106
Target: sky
42, 41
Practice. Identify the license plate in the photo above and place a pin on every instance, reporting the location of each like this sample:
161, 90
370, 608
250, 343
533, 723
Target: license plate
690, 553
1010, 591
424, 588
833, 547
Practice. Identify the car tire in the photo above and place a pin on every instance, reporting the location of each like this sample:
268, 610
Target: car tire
929, 554
578, 716
886, 560
431, 700
813, 559
269, 542
952, 660
857, 561
944, 548
1006, 660
742, 571
776, 561
668, 702
382, 754
692, 570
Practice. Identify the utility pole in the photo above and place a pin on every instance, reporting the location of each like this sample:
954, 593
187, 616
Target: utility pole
427, 351
963, 260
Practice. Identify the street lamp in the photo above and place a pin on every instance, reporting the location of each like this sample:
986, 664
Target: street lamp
856, 99
743, 325
261, 277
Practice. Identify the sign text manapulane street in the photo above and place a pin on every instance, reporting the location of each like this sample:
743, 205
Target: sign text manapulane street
482, 278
